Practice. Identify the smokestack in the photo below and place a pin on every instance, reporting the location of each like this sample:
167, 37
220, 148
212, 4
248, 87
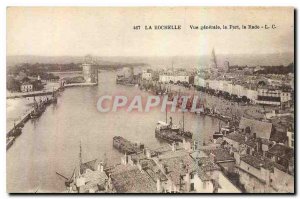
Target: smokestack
173, 146
158, 185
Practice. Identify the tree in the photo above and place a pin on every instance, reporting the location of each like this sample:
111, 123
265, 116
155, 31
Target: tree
244, 99
37, 85
12, 84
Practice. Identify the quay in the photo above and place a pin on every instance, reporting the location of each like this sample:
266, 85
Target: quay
31, 94
79, 84
16, 130
21, 122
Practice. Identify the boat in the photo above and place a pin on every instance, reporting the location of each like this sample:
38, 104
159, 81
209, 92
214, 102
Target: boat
217, 135
16, 131
125, 81
166, 132
223, 131
37, 110
9, 142
125, 146
170, 132
54, 97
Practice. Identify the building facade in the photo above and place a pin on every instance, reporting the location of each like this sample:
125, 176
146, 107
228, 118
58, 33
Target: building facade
26, 87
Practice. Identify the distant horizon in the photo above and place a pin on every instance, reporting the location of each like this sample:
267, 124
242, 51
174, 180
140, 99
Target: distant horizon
217, 54
271, 59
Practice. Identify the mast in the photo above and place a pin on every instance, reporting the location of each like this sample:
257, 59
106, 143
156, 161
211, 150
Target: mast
183, 121
166, 115
80, 155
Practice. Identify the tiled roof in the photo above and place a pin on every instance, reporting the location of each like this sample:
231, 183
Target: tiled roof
251, 142
260, 161
236, 137
265, 141
282, 151
220, 154
278, 136
262, 129
207, 164
129, 179
92, 165
93, 179
202, 175
178, 166
26, 83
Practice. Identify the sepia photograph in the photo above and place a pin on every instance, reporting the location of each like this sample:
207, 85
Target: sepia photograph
151, 100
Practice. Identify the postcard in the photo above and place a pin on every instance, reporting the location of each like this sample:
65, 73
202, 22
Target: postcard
150, 100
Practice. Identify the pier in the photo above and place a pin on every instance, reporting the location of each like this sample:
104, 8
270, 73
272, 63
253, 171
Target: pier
31, 94
16, 130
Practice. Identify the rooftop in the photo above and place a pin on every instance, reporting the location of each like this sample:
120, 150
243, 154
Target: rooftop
129, 179
282, 151
93, 180
262, 129
260, 161
91, 165
220, 155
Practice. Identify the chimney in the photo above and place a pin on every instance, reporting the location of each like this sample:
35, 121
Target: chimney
173, 146
212, 157
237, 158
139, 165
106, 186
148, 153
129, 161
142, 146
158, 185
166, 169
100, 167
124, 159
182, 166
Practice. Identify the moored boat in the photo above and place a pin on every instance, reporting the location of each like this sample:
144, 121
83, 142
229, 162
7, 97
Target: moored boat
9, 142
170, 132
125, 146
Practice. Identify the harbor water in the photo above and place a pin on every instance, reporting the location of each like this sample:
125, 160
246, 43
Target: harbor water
50, 143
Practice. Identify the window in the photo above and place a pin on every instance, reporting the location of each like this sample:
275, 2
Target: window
192, 187
192, 176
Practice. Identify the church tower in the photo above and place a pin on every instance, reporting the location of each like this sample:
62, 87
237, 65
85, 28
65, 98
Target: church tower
213, 59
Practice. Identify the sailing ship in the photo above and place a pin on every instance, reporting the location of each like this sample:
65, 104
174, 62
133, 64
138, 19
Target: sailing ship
223, 131
38, 109
9, 142
54, 97
16, 131
171, 132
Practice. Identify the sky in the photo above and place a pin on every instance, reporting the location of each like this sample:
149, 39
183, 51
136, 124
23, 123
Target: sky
77, 31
